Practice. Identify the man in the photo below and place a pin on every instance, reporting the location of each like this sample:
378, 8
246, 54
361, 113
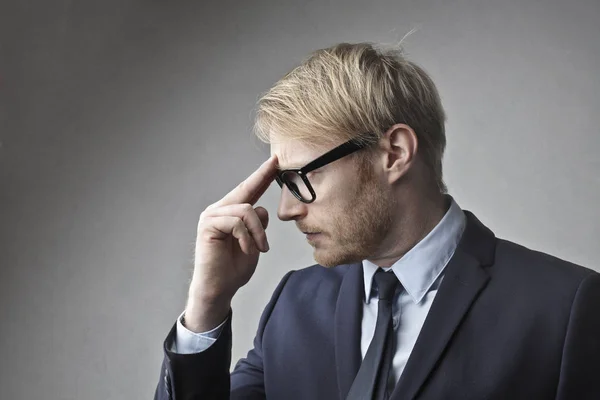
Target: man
412, 297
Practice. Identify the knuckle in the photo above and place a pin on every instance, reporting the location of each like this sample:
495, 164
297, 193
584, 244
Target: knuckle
205, 236
201, 227
238, 222
204, 233
204, 216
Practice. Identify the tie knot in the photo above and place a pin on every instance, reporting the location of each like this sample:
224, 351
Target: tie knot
386, 284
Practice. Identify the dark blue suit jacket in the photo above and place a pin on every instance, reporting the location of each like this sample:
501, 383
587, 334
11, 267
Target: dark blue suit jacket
507, 323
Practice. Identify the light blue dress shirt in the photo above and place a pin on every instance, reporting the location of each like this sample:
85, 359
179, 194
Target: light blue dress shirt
420, 272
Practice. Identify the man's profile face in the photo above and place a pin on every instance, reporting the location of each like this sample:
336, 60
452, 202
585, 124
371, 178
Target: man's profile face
353, 209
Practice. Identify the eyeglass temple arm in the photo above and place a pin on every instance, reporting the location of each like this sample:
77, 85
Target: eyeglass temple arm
335, 154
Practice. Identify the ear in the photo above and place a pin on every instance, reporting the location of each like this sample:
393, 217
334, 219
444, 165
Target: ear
399, 145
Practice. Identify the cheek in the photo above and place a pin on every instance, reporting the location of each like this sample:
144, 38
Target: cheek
337, 209
338, 187
338, 192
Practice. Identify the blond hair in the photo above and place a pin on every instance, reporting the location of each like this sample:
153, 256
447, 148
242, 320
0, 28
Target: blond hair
355, 91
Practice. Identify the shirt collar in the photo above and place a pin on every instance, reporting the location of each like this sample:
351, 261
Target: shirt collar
420, 267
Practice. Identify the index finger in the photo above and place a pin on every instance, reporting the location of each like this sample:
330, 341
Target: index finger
253, 187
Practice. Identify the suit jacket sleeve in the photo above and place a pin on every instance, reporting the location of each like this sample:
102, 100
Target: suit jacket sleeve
580, 366
206, 375
188, 342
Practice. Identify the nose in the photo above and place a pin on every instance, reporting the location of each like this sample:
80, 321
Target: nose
290, 208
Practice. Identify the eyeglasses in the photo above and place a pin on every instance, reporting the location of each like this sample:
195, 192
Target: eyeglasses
296, 180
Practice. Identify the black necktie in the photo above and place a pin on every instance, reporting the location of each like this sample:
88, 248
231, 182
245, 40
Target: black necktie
371, 381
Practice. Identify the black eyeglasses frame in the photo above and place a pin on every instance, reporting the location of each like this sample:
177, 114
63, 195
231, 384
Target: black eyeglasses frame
335, 154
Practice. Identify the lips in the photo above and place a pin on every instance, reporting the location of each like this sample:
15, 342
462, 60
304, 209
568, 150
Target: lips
308, 231
312, 235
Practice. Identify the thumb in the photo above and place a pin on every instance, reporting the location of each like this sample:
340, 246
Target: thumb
263, 215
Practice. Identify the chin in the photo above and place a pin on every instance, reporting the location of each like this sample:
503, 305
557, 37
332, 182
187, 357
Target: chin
330, 259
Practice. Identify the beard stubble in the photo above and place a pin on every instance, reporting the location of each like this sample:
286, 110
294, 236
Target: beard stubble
359, 226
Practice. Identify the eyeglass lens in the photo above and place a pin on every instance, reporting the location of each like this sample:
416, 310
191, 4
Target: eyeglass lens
296, 184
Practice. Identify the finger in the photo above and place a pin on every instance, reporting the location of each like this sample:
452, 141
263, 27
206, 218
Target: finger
253, 187
220, 228
250, 218
263, 215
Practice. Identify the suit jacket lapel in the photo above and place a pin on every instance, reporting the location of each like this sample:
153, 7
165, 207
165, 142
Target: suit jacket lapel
464, 278
347, 322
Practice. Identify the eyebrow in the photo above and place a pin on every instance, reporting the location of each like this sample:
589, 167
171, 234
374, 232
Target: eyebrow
291, 166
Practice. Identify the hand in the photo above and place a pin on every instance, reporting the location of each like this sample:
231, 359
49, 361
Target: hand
231, 235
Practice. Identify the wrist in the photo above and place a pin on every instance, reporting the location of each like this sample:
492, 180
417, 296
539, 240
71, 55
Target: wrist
204, 317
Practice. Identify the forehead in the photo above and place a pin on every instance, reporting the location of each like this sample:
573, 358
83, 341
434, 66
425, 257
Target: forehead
294, 154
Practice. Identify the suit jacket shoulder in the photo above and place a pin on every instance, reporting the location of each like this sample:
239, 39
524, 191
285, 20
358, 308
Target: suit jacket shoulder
523, 270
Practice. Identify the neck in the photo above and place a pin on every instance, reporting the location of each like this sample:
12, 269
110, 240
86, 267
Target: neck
419, 214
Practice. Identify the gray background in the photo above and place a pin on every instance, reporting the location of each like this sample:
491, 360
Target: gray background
121, 120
